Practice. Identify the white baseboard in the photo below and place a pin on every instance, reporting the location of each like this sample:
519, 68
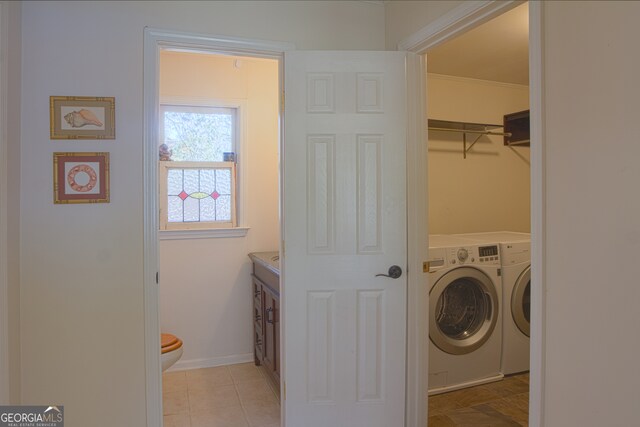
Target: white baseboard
183, 365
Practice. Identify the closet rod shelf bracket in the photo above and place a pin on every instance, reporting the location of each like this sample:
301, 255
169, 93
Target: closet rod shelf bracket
465, 128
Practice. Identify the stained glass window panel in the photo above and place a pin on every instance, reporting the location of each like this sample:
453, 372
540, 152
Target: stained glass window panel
223, 207
174, 213
191, 210
199, 194
223, 181
191, 181
207, 209
174, 181
207, 180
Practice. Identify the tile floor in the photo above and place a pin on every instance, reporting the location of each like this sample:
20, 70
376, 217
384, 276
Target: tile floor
224, 396
500, 404
240, 396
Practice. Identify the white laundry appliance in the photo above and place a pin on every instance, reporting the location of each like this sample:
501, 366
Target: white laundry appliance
465, 324
515, 251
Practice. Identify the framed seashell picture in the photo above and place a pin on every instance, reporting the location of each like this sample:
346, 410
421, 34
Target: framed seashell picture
80, 178
82, 117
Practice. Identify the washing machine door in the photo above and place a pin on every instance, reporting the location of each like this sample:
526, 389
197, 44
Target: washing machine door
463, 310
521, 302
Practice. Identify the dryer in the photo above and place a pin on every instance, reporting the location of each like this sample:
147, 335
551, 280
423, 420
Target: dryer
465, 324
516, 295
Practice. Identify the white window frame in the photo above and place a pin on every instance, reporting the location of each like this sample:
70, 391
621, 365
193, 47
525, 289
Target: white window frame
195, 231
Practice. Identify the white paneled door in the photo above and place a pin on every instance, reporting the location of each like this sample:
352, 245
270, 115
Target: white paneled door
345, 221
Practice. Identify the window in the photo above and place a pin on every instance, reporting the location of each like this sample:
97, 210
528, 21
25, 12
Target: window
197, 167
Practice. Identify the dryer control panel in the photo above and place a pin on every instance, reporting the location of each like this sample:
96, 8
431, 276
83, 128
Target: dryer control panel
481, 254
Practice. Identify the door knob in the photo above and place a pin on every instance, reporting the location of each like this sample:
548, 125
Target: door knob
394, 272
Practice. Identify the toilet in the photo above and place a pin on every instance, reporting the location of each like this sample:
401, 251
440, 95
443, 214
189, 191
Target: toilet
171, 350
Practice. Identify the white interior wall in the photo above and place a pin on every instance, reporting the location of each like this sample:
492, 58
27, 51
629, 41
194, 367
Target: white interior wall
81, 287
205, 292
591, 68
73, 310
403, 18
12, 19
490, 189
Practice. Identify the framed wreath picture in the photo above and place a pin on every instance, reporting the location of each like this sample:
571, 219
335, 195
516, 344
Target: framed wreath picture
80, 178
82, 117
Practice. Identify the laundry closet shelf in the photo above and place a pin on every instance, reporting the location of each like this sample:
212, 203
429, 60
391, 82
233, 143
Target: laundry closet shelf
465, 128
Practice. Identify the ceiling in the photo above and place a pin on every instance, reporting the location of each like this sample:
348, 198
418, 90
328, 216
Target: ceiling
497, 50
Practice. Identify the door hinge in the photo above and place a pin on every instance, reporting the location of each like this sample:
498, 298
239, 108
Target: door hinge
157, 277
284, 390
425, 266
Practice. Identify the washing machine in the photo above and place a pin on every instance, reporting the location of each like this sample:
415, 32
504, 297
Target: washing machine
465, 324
515, 251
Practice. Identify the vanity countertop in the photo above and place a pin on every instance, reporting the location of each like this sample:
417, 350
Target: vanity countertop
269, 260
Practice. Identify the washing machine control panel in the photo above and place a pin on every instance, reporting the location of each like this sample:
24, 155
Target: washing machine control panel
484, 255
463, 254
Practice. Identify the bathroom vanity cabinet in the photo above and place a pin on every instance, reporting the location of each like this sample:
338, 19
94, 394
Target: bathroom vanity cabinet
266, 314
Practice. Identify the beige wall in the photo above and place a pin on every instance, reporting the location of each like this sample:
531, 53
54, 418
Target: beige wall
13, 160
81, 266
82, 311
403, 18
591, 110
205, 289
13, 67
490, 189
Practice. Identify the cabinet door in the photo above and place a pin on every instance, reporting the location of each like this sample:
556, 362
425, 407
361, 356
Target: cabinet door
258, 322
276, 333
270, 350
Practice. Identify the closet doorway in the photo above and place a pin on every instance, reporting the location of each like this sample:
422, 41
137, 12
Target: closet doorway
479, 181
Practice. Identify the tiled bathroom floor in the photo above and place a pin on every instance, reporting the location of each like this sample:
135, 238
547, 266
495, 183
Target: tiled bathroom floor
225, 396
500, 404
240, 396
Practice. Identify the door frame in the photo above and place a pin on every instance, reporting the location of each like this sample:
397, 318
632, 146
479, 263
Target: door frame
154, 41
4, 238
459, 20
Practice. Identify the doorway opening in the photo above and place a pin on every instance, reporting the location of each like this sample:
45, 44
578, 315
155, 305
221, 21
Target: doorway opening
212, 196
219, 201
480, 187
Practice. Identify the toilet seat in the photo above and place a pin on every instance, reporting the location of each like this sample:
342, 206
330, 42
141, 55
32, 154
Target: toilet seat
169, 343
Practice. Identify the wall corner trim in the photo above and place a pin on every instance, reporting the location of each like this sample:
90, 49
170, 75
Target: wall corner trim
4, 278
237, 45
538, 350
452, 24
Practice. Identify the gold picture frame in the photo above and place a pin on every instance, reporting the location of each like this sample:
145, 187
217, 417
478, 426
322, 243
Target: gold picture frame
80, 178
82, 117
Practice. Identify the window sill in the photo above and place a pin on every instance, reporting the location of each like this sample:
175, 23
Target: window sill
211, 233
